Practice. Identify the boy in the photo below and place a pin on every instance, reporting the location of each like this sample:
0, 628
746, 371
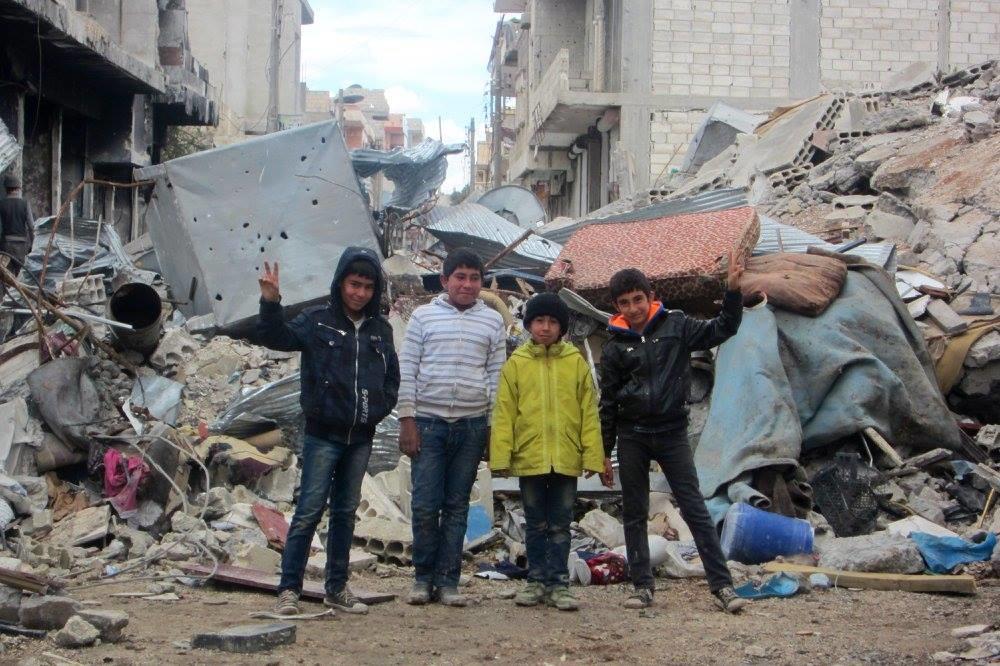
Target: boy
17, 225
546, 431
450, 364
645, 375
350, 378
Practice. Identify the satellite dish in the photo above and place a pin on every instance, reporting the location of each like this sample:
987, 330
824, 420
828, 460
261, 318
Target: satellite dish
515, 204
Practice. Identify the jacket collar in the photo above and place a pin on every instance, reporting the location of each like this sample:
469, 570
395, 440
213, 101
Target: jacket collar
441, 300
618, 323
533, 350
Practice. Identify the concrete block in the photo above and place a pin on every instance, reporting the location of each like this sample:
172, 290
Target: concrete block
985, 350
873, 553
253, 556
10, 604
47, 612
246, 639
885, 226
109, 623
77, 633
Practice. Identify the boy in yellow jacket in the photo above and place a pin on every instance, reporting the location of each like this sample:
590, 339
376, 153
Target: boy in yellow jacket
546, 431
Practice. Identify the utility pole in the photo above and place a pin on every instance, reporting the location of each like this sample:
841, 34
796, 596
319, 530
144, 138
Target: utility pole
440, 132
497, 94
473, 155
274, 66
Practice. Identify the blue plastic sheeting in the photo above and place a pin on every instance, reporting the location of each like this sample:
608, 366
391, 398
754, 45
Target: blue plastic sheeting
788, 383
942, 554
416, 172
780, 585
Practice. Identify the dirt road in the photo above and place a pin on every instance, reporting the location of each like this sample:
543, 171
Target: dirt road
821, 627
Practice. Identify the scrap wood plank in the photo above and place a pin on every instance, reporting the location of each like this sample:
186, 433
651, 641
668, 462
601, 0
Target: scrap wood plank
26, 581
261, 580
888, 582
876, 437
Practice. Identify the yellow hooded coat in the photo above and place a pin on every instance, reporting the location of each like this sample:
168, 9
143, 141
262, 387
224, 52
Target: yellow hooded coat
545, 416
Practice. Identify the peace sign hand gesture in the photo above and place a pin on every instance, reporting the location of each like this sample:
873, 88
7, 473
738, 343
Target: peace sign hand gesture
268, 282
735, 276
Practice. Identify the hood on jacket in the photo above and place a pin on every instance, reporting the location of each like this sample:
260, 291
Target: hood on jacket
350, 255
619, 324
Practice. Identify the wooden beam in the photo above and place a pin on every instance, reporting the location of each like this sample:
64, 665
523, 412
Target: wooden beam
878, 440
887, 582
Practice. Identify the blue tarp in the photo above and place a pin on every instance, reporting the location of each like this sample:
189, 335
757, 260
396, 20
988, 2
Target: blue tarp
787, 383
944, 553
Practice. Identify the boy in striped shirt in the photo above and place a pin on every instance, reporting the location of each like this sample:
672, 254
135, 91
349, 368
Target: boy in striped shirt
450, 364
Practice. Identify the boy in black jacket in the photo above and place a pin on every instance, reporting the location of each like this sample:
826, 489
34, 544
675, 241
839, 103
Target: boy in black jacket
645, 375
350, 380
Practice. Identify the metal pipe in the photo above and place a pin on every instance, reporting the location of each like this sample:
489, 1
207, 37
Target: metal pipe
138, 305
84, 315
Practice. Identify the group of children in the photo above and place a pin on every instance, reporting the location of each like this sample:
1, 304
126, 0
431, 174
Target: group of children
457, 396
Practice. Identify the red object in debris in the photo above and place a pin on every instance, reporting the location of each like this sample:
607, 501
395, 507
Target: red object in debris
203, 430
684, 256
273, 524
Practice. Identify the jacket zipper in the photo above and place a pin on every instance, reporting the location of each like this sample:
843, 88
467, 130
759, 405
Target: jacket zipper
357, 354
649, 375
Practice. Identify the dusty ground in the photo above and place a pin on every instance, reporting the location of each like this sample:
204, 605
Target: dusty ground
822, 627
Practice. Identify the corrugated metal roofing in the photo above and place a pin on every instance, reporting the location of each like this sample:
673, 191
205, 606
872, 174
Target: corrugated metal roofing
416, 171
797, 240
699, 203
9, 148
486, 233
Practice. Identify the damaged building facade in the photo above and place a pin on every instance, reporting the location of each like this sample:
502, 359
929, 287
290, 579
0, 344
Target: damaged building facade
88, 89
608, 94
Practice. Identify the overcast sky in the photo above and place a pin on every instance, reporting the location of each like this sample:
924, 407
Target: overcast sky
429, 56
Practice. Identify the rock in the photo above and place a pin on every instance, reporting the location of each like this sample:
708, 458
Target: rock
981, 259
870, 160
248, 638
138, 542
201, 325
849, 215
77, 633
109, 623
218, 360
38, 524
982, 381
182, 522
174, 349
985, 350
257, 557
978, 125
929, 504
278, 485
886, 226
880, 552
894, 120
969, 630
219, 502
755, 651
47, 612
913, 167
890, 203
10, 604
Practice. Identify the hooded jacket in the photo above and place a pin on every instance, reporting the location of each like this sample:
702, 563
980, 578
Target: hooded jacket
646, 375
350, 375
545, 418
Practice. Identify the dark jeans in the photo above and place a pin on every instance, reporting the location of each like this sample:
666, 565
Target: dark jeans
441, 477
672, 452
332, 472
548, 511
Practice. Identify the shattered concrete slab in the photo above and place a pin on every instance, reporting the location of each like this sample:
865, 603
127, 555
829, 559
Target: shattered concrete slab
291, 197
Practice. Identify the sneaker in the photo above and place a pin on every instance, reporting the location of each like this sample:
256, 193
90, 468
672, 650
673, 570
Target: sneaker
449, 596
563, 599
344, 600
532, 595
641, 598
727, 600
288, 603
420, 594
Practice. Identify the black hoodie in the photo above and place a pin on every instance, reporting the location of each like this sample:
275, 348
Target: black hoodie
350, 376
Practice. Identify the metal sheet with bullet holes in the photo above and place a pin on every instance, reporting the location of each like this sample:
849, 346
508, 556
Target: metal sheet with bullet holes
216, 216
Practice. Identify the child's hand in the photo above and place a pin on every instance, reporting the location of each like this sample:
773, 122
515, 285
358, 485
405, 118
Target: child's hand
608, 475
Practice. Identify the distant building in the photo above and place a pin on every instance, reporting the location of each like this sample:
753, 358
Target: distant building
414, 131
319, 106
608, 93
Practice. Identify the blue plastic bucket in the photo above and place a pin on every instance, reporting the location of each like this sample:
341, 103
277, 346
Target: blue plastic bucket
753, 536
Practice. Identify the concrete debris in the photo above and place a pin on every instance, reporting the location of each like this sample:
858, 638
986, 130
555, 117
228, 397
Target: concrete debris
77, 633
247, 638
48, 612
872, 553
110, 624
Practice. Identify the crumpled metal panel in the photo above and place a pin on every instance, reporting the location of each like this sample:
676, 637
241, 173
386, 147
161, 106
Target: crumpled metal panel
290, 197
486, 233
76, 251
416, 172
9, 147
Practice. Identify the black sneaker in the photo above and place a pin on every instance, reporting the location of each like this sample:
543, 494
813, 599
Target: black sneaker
727, 600
343, 600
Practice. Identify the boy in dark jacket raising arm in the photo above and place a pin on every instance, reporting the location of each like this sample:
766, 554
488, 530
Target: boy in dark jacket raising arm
645, 375
350, 380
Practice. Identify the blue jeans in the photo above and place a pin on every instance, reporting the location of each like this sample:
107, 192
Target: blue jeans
332, 472
548, 511
442, 476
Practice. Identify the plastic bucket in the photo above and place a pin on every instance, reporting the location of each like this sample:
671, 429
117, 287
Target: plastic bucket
752, 536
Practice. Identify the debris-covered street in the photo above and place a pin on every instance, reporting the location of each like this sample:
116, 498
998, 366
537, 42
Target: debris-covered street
688, 353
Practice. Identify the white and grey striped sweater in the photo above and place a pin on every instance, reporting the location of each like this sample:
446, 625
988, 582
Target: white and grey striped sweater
450, 361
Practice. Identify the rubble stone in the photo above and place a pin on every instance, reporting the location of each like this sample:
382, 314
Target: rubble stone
852, 214
248, 638
10, 604
219, 499
48, 612
890, 203
978, 125
880, 552
929, 504
851, 200
175, 348
37, 524
981, 381
888, 226
894, 120
870, 160
985, 350
257, 557
77, 633
109, 623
